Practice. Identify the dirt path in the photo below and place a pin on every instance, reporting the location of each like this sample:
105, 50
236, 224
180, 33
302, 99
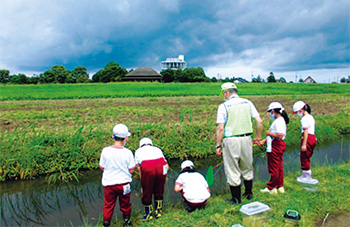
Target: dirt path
338, 220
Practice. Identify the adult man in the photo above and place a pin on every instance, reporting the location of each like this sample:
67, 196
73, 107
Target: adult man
234, 118
117, 163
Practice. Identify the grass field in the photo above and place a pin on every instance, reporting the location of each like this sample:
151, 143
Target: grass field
61, 137
332, 197
143, 89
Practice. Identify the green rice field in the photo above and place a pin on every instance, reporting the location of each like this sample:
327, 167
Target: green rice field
57, 131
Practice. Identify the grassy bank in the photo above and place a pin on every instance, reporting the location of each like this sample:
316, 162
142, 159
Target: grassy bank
146, 89
59, 138
332, 197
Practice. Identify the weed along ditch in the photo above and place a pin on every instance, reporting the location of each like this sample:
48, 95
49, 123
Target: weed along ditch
35, 202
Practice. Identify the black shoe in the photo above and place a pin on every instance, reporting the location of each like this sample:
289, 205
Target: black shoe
248, 196
106, 223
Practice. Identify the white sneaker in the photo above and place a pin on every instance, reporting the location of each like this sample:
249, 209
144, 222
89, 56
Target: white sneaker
272, 191
280, 190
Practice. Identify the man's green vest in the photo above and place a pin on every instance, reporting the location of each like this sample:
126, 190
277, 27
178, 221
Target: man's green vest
239, 119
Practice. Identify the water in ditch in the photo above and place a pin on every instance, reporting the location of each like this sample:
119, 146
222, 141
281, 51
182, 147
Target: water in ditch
36, 203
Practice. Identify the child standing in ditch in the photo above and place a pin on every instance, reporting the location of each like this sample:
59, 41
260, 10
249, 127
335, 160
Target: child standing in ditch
117, 163
308, 139
153, 169
276, 147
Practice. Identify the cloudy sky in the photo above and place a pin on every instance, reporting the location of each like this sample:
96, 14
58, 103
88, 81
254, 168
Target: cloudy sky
226, 38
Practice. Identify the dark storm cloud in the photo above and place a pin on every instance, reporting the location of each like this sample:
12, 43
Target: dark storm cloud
270, 35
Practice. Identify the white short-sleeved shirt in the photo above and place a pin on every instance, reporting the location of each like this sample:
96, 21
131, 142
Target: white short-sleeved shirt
308, 122
279, 127
222, 112
116, 161
195, 187
147, 153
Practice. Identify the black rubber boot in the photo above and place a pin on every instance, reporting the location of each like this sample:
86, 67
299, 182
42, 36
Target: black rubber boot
148, 213
248, 184
158, 205
236, 195
127, 222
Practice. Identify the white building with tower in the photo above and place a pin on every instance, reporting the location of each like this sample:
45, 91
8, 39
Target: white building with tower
174, 63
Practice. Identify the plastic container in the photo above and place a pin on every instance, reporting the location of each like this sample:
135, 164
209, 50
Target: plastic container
292, 218
255, 214
309, 184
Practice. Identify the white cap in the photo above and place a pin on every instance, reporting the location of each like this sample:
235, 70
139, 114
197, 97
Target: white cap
227, 85
275, 105
186, 163
145, 141
121, 131
298, 106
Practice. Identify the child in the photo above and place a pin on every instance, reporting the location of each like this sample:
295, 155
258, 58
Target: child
308, 139
117, 164
277, 133
153, 169
193, 186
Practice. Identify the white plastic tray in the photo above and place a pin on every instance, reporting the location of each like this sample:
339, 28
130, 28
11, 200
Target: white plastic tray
254, 208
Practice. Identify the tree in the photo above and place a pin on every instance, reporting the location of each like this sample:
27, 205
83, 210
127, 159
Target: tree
60, 73
257, 80
57, 74
282, 80
49, 76
271, 78
168, 75
80, 75
342, 80
213, 79
4, 76
111, 73
18, 79
301, 80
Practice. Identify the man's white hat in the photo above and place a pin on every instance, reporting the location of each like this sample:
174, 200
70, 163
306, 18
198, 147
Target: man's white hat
145, 141
298, 106
121, 131
275, 105
228, 85
186, 163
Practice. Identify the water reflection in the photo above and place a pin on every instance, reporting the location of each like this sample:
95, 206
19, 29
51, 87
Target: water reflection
35, 203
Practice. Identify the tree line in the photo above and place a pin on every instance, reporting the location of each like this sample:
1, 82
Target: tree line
113, 72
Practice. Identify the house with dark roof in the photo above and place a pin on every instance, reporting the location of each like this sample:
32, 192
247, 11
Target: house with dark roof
240, 80
143, 74
309, 80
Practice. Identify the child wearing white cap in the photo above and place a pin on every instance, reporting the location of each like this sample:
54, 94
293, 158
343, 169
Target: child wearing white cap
308, 139
277, 146
193, 186
153, 169
117, 163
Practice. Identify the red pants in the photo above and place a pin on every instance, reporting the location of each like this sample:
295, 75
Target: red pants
305, 156
192, 206
275, 164
152, 180
111, 193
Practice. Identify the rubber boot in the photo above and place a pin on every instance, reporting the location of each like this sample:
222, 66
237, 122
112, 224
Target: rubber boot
127, 222
248, 184
158, 204
148, 213
236, 195
106, 223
